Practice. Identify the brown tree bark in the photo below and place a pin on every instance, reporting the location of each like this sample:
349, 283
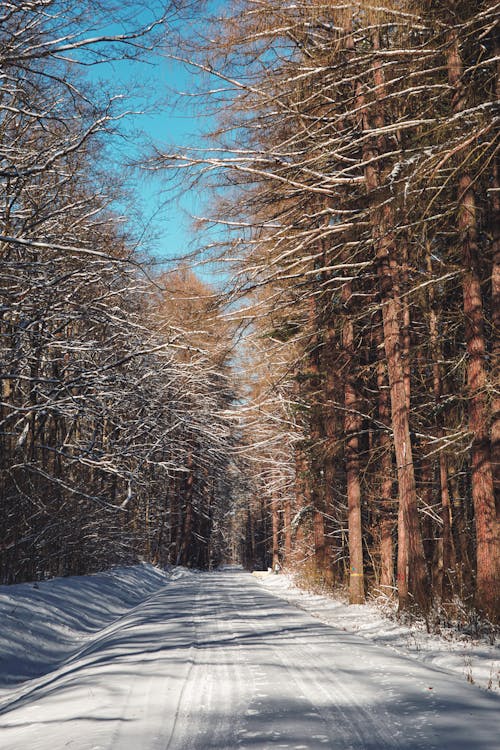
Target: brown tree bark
412, 573
495, 319
333, 428
287, 531
412, 577
352, 425
405, 320
276, 529
317, 493
495, 305
385, 502
448, 549
487, 537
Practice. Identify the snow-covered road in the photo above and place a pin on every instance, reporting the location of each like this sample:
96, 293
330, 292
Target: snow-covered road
215, 661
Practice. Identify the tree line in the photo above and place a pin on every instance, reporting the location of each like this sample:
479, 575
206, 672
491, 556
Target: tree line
353, 175
114, 438
356, 173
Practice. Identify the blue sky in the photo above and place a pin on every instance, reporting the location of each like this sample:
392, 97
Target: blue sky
168, 214
169, 120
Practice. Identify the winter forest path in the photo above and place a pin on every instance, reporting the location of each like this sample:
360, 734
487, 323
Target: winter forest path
214, 661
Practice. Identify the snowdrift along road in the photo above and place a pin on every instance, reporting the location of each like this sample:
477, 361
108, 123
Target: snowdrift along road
214, 661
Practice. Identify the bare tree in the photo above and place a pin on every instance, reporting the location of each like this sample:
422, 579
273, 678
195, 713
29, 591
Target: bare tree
356, 152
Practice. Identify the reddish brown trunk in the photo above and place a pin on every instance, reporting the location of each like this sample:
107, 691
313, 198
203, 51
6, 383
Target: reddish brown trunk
495, 318
321, 561
333, 427
449, 557
385, 510
351, 456
412, 574
487, 538
448, 550
411, 563
406, 329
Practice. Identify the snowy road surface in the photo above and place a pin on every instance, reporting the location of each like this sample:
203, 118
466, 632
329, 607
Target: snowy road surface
214, 661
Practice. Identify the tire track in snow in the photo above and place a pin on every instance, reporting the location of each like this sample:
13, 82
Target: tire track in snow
311, 682
210, 700
214, 662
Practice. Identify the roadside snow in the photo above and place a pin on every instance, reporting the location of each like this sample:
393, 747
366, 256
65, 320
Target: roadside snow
477, 660
44, 623
141, 659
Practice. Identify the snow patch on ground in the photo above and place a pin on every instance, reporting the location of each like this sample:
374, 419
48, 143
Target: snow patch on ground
477, 660
44, 623
142, 658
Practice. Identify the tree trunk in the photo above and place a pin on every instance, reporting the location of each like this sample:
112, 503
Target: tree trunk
495, 318
351, 457
302, 504
448, 550
333, 428
412, 573
287, 531
276, 529
412, 577
487, 538
385, 502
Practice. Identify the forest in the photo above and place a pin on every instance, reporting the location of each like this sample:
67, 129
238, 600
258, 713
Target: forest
331, 406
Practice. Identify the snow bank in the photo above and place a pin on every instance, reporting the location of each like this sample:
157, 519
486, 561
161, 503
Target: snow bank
477, 660
44, 623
